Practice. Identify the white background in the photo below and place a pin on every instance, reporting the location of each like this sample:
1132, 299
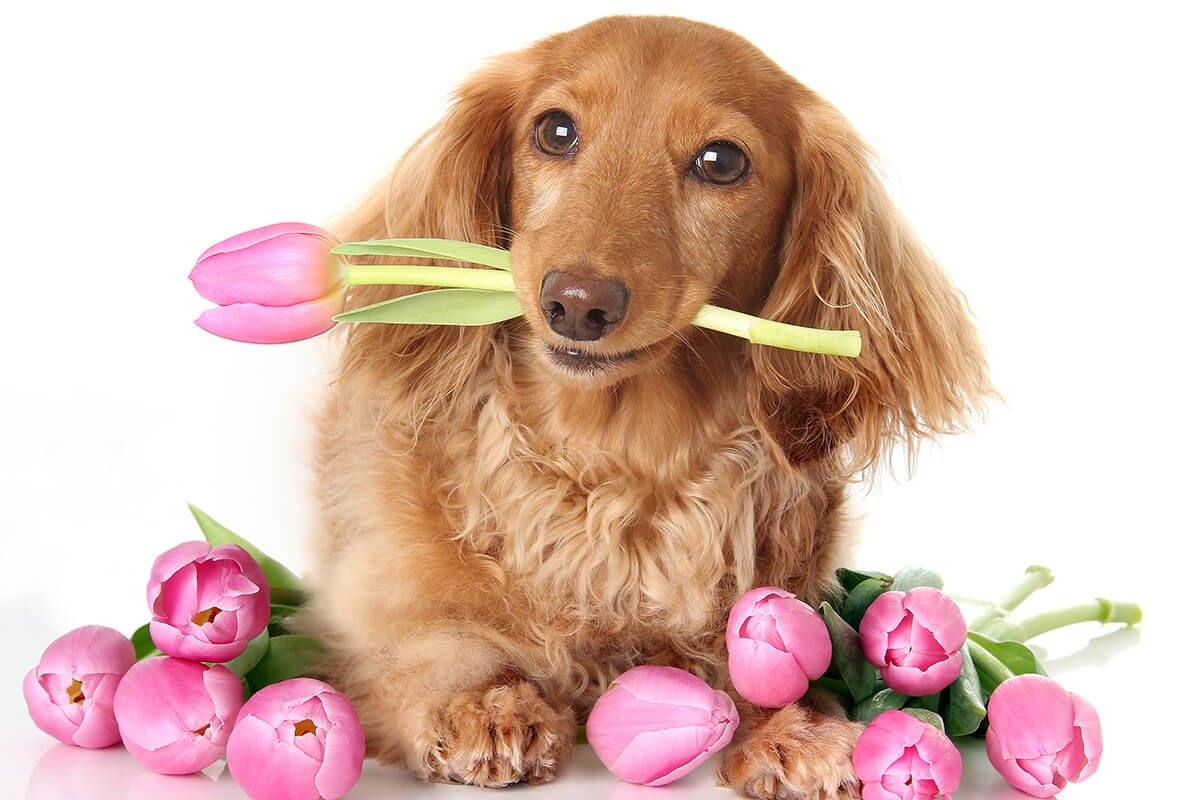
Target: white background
1047, 152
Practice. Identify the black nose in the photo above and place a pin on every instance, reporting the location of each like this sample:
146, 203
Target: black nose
583, 309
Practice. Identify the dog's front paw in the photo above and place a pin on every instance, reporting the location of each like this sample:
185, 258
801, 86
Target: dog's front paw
495, 736
798, 754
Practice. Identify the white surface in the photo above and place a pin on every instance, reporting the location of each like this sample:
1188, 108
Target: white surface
1046, 152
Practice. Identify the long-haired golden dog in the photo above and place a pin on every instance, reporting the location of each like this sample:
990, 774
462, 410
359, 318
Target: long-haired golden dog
515, 514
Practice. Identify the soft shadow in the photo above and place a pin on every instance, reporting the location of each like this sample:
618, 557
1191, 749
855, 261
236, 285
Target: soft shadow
1097, 652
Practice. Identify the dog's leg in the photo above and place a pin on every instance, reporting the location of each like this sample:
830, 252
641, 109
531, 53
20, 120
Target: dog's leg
798, 753
460, 717
495, 734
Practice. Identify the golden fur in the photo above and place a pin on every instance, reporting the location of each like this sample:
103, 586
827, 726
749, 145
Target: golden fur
504, 534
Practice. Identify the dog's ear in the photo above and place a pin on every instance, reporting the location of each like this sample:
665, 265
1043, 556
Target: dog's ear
848, 260
453, 183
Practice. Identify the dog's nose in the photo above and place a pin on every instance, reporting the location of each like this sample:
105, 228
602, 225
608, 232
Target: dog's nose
583, 309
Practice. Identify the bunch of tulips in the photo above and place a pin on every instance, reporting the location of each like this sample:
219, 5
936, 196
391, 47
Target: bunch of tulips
215, 673
898, 653
212, 675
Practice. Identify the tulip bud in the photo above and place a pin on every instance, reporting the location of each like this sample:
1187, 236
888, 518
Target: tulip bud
777, 644
656, 724
1040, 736
70, 692
296, 740
914, 638
175, 715
207, 602
279, 283
898, 757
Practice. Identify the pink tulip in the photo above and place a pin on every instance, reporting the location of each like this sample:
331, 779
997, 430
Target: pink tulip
777, 644
70, 692
656, 724
207, 602
279, 283
1040, 736
898, 757
175, 715
296, 740
914, 638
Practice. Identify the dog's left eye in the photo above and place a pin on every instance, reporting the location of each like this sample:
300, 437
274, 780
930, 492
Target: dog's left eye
555, 134
721, 163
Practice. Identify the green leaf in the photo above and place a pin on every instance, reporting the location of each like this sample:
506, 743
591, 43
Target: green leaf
913, 577
430, 248
143, 645
927, 716
848, 659
440, 307
876, 704
290, 656
965, 705
861, 597
849, 578
256, 648
285, 585
1015, 657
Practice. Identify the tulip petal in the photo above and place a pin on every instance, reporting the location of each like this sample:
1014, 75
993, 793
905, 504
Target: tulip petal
765, 676
880, 619
258, 324
1035, 715
1089, 742
279, 272
252, 237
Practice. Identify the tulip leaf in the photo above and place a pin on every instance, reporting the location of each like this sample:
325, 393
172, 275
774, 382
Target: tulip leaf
430, 248
913, 577
861, 597
285, 585
849, 578
965, 705
143, 645
290, 656
440, 307
996, 661
928, 717
852, 666
876, 704
256, 648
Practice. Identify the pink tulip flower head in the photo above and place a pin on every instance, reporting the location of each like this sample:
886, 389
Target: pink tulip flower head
914, 638
1040, 736
777, 645
175, 715
297, 740
207, 602
70, 691
898, 757
279, 283
656, 724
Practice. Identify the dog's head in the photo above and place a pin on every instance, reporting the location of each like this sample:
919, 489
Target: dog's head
639, 168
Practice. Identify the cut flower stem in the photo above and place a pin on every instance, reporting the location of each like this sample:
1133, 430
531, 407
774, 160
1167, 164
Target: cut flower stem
754, 329
1099, 610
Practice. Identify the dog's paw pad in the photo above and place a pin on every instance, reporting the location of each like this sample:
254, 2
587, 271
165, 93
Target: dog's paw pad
796, 755
496, 736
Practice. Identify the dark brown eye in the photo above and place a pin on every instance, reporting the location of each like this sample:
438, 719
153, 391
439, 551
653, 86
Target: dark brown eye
721, 163
555, 134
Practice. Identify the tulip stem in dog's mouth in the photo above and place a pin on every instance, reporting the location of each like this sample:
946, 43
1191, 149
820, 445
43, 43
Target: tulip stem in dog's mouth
495, 288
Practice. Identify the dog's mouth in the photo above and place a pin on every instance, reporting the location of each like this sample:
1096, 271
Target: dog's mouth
582, 362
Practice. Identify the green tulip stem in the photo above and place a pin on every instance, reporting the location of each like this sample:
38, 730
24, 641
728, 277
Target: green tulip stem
1036, 577
1098, 610
451, 277
755, 329
988, 664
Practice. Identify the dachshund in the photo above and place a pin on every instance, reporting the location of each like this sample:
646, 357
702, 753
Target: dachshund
512, 515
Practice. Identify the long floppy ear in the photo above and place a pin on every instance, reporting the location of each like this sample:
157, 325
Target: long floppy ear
452, 183
850, 261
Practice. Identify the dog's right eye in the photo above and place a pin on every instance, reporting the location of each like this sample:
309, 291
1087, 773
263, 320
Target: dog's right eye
555, 134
